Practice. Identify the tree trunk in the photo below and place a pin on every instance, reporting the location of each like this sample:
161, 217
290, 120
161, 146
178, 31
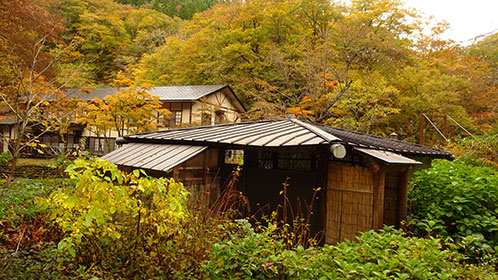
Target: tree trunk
13, 163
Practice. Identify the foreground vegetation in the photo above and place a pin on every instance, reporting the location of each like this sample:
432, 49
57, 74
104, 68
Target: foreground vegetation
458, 202
102, 223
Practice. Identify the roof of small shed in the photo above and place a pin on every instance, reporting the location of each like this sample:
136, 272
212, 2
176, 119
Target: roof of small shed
280, 133
363, 140
153, 156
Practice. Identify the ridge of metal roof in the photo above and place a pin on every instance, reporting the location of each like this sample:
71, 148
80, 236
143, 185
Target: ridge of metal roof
325, 135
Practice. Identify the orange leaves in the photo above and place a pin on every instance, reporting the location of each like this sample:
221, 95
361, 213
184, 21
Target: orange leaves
298, 111
329, 84
304, 108
121, 81
22, 25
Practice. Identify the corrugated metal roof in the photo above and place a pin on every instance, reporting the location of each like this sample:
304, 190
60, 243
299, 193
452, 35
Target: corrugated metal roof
163, 150
286, 132
158, 157
282, 133
388, 157
363, 140
165, 93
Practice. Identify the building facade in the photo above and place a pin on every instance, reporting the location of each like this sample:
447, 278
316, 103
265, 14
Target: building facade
192, 105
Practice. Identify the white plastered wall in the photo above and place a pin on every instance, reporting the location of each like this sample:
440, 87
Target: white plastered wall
219, 100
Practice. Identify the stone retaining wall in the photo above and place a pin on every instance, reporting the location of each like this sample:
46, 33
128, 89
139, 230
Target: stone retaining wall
33, 172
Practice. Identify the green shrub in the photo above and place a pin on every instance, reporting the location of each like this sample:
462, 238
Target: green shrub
458, 200
246, 254
62, 161
387, 254
5, 158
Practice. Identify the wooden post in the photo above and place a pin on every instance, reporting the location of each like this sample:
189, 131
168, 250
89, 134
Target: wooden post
402, 197
379, 181
445, 126
422, 125
323, 170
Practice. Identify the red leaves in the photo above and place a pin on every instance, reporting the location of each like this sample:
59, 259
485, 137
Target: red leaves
26, 234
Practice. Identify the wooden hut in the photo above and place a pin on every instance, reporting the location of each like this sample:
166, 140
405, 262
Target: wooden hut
363, 178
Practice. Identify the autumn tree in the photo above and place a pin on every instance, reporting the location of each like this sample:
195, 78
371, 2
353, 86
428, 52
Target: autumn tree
484, 96
284, 55
109, 38
30, 82
183, 9
129, 110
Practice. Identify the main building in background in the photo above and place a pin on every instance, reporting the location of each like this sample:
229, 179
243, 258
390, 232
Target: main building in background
193, 105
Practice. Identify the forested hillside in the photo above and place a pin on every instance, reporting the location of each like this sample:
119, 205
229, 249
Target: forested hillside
365, 66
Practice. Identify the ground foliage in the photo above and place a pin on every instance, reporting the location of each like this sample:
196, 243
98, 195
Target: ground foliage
22, 222
458, 201
388, 254
103, 223
27, 248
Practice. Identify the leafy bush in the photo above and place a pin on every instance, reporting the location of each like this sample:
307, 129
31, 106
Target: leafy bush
22, 221
5, 158
459, 200
387, 254
62, 161
19, 200
120, 222
247, 255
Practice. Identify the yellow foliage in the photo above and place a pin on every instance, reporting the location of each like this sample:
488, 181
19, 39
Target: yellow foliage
129, 110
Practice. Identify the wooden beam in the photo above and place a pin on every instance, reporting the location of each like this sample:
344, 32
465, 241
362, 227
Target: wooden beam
402, 198
322, 174
379, 181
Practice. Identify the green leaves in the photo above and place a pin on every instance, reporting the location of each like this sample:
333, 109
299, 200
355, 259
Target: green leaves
387, 254
110, 212
459, 200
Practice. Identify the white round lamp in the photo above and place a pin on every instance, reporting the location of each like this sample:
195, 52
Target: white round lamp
338, 150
